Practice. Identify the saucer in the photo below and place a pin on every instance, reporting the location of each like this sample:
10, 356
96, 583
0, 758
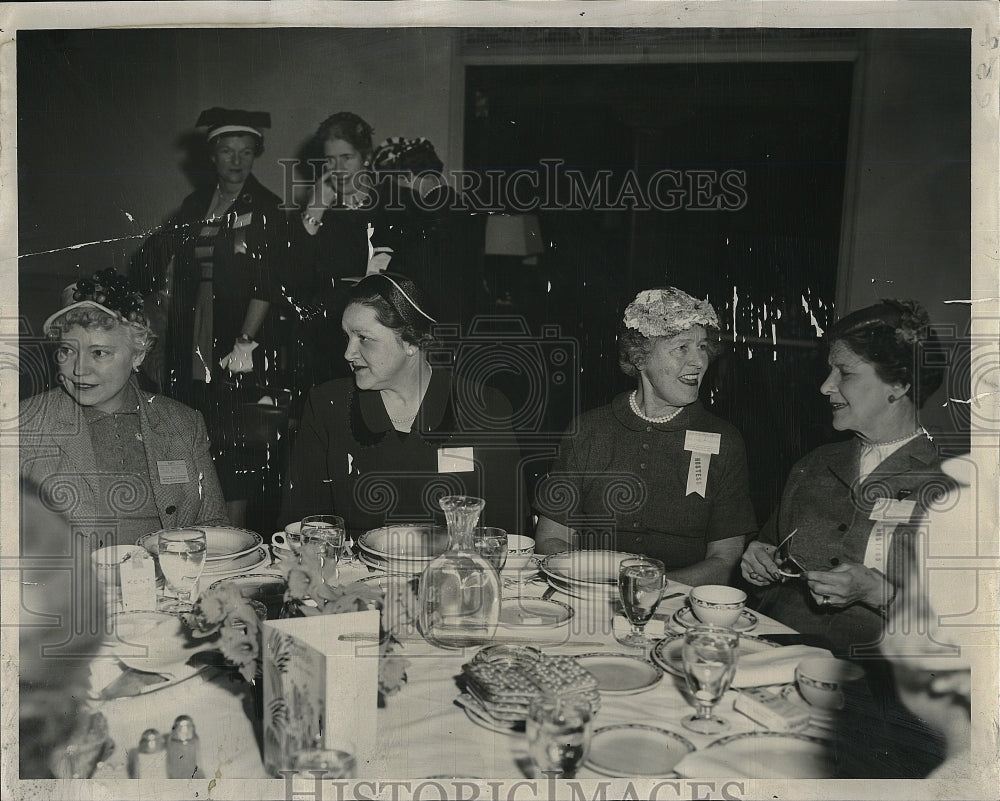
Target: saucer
685, 618
818, 717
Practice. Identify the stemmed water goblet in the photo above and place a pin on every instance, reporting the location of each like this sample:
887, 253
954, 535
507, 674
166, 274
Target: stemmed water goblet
181, 553
323, 536
710, 655
641, 582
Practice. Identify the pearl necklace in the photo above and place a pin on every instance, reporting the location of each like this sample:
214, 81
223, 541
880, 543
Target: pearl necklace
870, 444
632, 402
404, 420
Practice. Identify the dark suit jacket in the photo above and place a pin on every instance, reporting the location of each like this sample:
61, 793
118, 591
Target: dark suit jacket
824, 499
57, 457
249, 256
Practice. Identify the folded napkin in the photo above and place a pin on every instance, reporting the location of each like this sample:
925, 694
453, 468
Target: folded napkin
773, 665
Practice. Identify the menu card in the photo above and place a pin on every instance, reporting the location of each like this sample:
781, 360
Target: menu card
319, 685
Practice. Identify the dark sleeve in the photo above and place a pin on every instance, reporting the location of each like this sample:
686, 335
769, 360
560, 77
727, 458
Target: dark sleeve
782, 518
559, 493
148, 265
307, 488
266, 271
302, 267
732, 511
506, 496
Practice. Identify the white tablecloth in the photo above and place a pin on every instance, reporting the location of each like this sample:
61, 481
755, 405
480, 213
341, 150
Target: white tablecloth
422, 732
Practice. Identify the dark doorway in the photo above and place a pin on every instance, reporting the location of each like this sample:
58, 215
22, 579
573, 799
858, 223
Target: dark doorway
724, 179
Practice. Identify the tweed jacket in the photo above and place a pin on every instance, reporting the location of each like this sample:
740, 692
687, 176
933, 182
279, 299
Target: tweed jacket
57, 457
833, 511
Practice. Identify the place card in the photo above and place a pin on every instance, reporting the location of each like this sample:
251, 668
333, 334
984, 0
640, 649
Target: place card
320, 680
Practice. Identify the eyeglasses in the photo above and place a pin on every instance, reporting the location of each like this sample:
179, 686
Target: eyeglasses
788, 565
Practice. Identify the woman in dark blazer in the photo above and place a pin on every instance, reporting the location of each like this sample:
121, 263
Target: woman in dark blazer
848, 507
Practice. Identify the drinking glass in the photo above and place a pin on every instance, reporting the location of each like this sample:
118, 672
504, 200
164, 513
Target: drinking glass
181, 553
710, 654
491, 544
641, 582
335, 759
323, 536
559, 729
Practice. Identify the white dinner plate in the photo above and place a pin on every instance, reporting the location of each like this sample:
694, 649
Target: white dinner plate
621, 674
405, 543
685, 618
533, 613
584, 568
773, 754
223, 543
667, 652
633, 749
245, 564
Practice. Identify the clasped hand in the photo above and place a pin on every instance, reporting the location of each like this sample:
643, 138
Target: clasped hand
842, 585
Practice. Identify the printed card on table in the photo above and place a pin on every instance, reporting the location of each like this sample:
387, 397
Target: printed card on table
317, 684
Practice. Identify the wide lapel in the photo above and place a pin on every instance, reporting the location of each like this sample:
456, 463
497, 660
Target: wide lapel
152, 430
71, 434
909, 465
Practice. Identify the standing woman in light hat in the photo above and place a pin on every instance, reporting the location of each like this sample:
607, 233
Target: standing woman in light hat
228, 244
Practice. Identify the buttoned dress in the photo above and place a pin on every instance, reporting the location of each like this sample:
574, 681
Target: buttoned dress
624, 483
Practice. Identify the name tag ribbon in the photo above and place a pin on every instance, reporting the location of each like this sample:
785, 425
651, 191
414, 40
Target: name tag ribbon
703, 445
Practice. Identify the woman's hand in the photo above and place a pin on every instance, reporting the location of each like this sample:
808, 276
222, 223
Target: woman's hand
848, 583
323, 193
758, 564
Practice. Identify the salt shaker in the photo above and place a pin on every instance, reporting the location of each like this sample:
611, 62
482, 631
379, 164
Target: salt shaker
149, 760
182, 750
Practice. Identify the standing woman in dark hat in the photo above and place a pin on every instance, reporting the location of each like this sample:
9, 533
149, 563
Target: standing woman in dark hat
352, 224
444, 243
227, 244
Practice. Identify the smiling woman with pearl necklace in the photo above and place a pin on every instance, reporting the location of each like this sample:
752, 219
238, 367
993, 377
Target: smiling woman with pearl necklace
662, 475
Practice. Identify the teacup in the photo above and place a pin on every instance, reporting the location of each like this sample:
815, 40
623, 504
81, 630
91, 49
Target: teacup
289, 539
520, 550
821, 680
717, 604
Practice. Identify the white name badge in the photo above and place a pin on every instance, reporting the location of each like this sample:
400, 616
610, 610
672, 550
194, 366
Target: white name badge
879, 542
702, 442
456, 460
892, 510
243, 220
173, 471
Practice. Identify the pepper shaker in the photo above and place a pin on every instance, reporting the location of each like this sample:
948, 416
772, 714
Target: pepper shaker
182, 750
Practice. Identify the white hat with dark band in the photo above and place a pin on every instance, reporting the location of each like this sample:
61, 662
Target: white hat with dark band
233, 122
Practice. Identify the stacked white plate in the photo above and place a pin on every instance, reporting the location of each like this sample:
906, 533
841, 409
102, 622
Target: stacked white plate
231, 551
590, 575
404, 548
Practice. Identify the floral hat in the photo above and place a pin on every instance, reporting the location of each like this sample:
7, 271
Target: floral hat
107, 291
668, 312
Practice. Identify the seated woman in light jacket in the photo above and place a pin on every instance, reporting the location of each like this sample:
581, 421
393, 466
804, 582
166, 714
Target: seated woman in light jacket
117, 462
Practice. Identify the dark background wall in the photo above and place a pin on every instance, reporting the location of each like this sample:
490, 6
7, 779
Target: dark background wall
855, 145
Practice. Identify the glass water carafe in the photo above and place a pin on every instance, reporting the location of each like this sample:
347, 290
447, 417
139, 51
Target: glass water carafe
460, 590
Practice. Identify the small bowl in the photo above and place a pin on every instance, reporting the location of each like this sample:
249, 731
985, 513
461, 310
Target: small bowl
151, 642
717, 604
821, 680
507, 655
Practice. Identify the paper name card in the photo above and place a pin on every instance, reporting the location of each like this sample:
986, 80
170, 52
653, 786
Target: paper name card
318, 684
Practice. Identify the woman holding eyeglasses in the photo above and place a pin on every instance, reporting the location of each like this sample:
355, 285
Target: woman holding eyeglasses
830, 557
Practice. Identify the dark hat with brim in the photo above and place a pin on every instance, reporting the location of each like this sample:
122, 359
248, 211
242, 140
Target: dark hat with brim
233, 122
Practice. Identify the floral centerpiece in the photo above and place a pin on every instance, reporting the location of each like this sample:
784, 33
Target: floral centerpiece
223, 612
